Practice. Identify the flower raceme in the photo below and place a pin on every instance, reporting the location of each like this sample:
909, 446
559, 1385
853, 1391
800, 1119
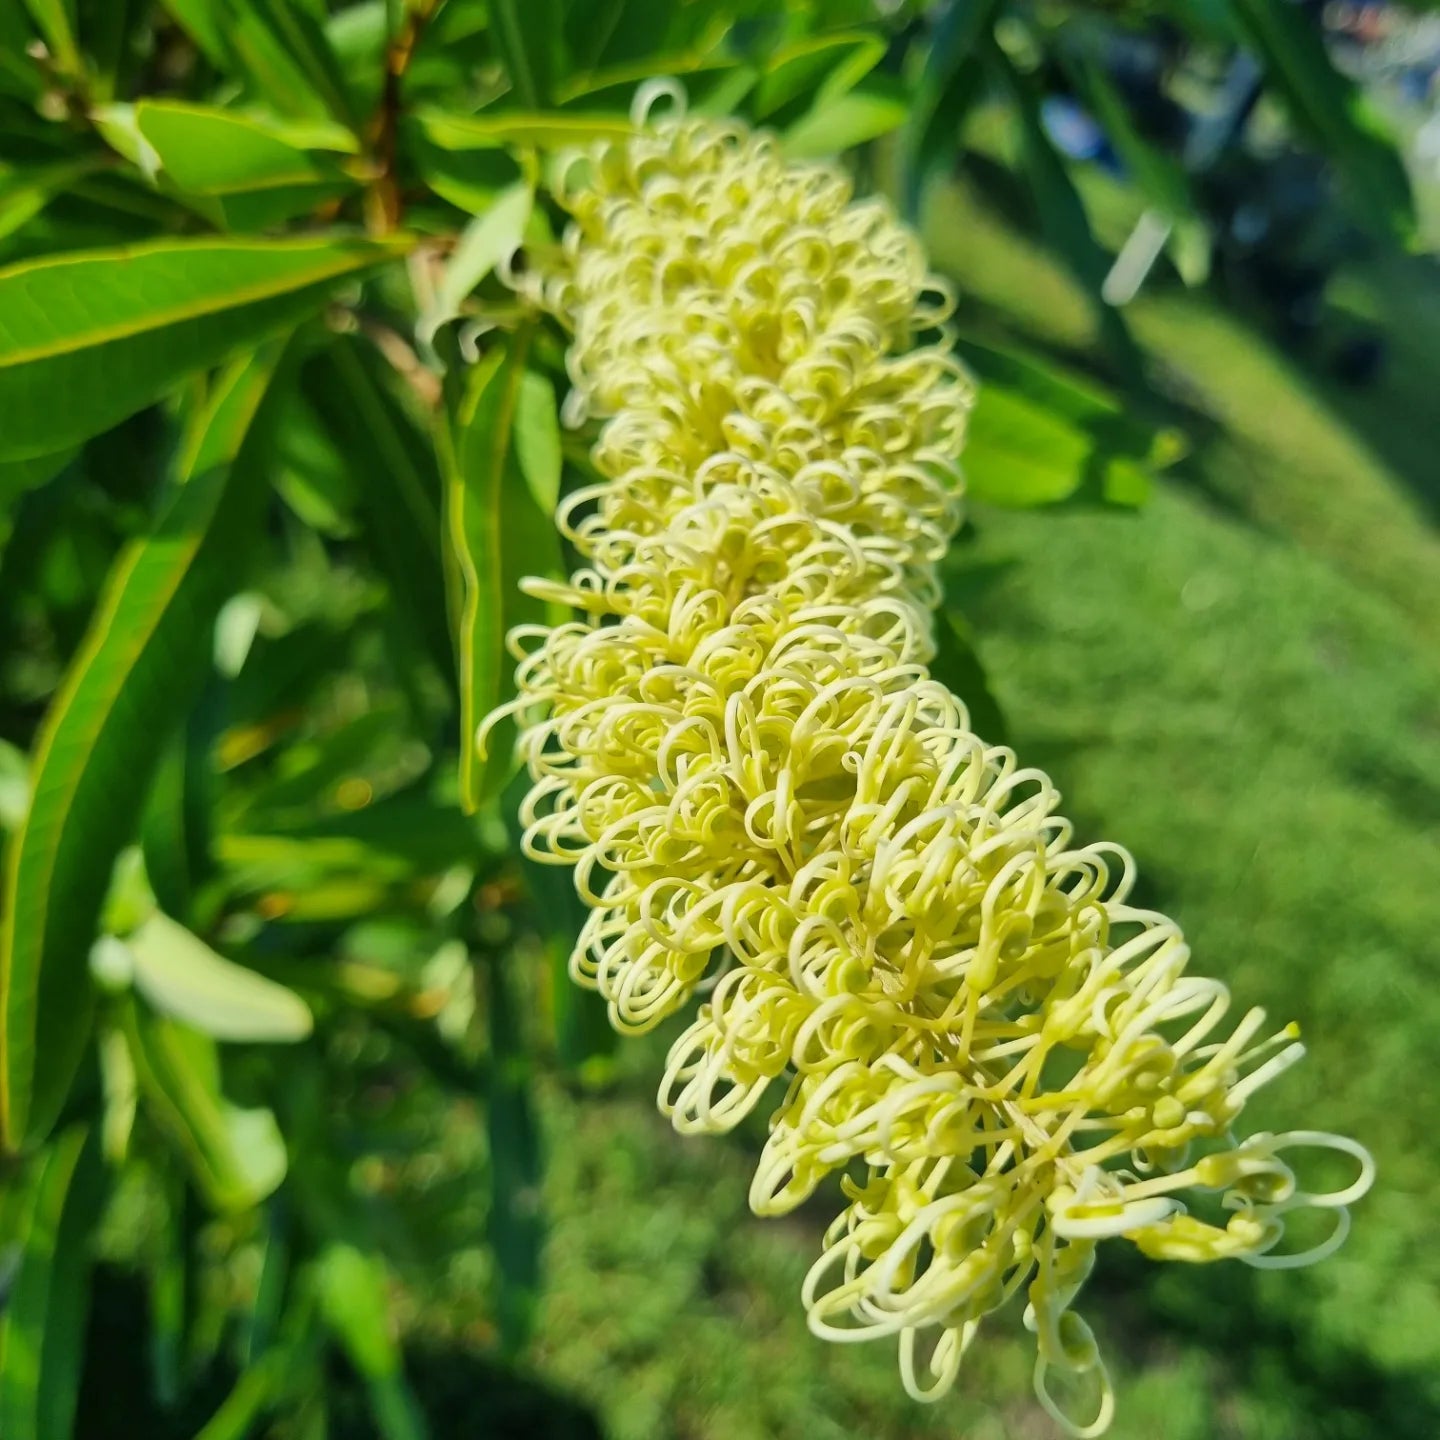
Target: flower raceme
769, 804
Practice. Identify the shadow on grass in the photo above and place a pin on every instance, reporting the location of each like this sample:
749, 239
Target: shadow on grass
465, 1396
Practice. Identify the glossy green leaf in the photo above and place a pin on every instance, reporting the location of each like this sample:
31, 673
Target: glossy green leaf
14, 786
87, 339
253, 175
497, 534
1038, 436
355, 1306
873, 108
487, 131
823, 66
529, 39
284, 52
1331, 109
136, 673
42, 1325
179, 975
236, 1157
537, 439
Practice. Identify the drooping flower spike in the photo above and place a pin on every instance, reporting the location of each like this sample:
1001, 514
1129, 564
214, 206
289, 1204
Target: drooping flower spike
768, 803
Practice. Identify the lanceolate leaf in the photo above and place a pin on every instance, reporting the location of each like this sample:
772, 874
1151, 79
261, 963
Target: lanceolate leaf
136, 673
250, 175
356, 1309
181, 976
1060, 210
529, 39
236, 1157
87, 339
497, 534
397, 487
42, 1326
56, 22
948, 83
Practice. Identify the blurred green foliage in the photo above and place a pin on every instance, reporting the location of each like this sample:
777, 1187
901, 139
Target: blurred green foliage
303, 1129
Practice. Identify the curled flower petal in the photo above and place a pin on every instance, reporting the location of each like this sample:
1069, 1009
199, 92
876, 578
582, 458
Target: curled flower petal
771, 808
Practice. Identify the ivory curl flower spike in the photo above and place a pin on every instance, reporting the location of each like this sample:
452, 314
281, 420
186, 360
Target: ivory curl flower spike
769, 803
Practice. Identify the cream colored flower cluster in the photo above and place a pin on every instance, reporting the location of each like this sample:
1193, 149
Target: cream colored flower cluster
768, 802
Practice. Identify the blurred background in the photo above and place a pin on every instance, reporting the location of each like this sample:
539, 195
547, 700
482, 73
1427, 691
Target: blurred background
1199, 584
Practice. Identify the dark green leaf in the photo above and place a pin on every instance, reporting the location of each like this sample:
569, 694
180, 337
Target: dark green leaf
138, 668
1060, 210
87, 339
42, 1326
949, 82
957, 666
284, 52
529, 38
397, 485
517, 1228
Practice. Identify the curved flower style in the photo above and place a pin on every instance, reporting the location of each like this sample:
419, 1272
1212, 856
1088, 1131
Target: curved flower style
766, 799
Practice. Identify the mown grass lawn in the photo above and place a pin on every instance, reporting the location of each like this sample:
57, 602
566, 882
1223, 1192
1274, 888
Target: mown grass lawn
1240, 684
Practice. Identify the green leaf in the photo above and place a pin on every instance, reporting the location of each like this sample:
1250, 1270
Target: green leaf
1038, 436
17, 477
1331, 109
253, 175
284, 52
42, 1326
55, 20
529, 38
137, 670
398, 487
236, 1157
537, 439
175, 828
508, 128
497, 534
204, 21
872, 108
516, 1228
87, 339
957, 665
24, 193
487, 241
182, 977
355, 1307
949, 82
14, 786
823, 66
1061, 211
